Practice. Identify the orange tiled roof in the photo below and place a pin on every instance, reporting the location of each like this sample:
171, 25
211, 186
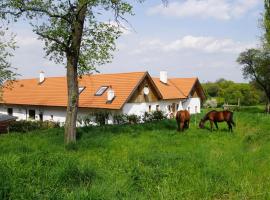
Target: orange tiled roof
53, 91
185, 85
176, 88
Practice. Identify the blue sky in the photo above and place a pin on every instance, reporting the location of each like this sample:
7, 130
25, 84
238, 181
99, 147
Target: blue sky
187, 38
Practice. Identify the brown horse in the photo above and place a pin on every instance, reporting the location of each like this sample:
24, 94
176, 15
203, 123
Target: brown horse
182, 119
218, 116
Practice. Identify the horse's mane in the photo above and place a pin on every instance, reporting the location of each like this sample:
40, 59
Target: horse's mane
207, 114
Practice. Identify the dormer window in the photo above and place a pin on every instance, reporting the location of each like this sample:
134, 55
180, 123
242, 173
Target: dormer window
101, 90
81, 89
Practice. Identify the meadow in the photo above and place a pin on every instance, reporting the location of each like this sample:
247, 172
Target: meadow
148, 161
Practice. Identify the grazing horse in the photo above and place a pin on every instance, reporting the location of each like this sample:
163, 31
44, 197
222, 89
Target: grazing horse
182, 119
218, 116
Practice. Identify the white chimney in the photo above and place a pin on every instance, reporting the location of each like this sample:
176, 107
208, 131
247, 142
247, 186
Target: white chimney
41, 77
164, 77
110, 94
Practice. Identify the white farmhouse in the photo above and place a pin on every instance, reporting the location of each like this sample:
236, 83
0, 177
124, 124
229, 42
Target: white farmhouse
128, 93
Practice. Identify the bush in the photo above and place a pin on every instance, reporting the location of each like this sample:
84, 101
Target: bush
133, 119
120, 119
85, 120
158, 115
26, 126
100, 117
211, 103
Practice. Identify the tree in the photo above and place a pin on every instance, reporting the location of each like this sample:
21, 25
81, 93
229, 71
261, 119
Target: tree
266, 22
74, 35
256, 67
7, 45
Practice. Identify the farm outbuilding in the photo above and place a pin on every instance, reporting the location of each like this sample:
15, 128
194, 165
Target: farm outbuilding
5, 121
45, 98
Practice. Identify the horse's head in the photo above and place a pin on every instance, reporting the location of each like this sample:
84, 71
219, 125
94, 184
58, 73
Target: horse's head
201, 124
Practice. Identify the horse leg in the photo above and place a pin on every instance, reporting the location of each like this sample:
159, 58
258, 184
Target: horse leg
230, 126
216, 125
178, 126
187, 123
211, 125
182, 126
232, 122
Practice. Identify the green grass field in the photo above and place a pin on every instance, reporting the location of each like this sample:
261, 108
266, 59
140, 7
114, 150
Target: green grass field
150, 161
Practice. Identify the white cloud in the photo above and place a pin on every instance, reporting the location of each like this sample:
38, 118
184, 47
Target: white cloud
218, 9
207, 44
189, 42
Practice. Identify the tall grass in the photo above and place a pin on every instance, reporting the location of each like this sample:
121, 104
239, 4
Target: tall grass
149, 161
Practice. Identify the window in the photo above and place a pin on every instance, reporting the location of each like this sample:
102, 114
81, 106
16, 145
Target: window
169, 108
32, 114
149, 108
51, 117
10, 111
157, 107
177, 106
101, 90
81, 88
188, 109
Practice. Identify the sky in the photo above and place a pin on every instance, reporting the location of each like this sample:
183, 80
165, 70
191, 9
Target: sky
186, 38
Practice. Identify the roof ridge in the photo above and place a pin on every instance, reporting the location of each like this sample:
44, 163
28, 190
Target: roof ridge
51, 77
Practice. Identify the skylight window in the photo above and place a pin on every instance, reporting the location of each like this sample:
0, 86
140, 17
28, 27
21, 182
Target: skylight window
81, 88
101, 90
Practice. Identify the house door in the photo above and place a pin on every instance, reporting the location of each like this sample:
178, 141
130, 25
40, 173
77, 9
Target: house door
173, 108
41, 117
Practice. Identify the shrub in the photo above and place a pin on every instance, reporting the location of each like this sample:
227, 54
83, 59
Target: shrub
85, 120
211, 103
26, 126
153, 116
133, 119
158, 115
100, 117
120, 119
147, 117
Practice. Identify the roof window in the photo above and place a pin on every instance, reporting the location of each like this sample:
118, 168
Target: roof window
101, 90
81, 89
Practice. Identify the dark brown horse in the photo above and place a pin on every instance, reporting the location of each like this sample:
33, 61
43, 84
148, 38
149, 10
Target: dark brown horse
218, 116
182, 119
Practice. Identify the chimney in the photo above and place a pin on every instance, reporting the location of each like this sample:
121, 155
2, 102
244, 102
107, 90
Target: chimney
164, 77
41, 77
110, 94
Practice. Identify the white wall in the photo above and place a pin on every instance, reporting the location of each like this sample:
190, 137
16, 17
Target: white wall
193, 105
58, 114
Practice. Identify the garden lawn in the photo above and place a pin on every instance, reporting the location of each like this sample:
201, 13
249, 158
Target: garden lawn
148, 161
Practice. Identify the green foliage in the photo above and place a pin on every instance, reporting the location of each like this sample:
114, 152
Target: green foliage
266, 22
256, 64
100, 117
229, 92
7, 45
141, 161
133, 119
57, 23
153, 116
25, 126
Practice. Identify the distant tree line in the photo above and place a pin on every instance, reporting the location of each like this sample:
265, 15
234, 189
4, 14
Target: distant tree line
225, 91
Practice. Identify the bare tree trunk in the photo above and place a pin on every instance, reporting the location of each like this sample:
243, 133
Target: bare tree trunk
72, 105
